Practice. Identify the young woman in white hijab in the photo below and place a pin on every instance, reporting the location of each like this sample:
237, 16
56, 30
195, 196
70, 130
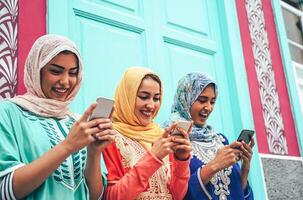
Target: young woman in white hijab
47, 152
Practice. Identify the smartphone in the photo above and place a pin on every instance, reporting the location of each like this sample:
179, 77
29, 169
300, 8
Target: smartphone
103, 109
185, 125
246, 135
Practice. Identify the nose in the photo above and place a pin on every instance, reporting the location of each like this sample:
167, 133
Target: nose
64, 79
208, 106
150, 104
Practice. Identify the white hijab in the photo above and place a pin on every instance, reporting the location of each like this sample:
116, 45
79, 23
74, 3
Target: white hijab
42, 52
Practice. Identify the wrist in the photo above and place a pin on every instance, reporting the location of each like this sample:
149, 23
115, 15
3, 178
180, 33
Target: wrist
213, 167
182, 157
65, 147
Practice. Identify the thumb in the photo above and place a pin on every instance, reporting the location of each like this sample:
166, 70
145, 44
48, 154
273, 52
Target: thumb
88, 112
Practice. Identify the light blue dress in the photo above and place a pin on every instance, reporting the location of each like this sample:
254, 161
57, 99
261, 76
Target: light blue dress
26, 136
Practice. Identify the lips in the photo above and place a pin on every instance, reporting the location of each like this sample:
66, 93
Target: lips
62, 92
146, 113
203, 115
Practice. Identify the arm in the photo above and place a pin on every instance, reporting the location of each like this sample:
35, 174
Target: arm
93, 171
179, 179
246, 158
29, 177
93, 175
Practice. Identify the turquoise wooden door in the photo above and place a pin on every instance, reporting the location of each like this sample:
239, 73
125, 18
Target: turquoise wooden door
172, 37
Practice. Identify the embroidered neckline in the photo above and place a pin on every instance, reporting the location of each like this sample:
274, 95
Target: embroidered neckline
131, 151
206, 151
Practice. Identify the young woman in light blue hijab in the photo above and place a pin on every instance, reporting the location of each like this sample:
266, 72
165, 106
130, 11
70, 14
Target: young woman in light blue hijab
215, 173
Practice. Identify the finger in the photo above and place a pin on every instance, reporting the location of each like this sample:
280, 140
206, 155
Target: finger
235, 144
106, 138
180, 140
183, 147
87, 113
93, 131
190, 128
96, 122
247, 149
107, 125
184, 133
168, 131
252, 143
106, 132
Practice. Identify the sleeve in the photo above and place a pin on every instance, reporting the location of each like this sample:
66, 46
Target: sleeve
196, 189
179, 178
10, 158
119, 181
248, 193
6, 187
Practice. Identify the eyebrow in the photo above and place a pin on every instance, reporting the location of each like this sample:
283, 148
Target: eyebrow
144, 92
61, 67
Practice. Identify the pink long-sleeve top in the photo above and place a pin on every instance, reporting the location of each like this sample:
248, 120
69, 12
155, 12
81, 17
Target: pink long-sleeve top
134, 173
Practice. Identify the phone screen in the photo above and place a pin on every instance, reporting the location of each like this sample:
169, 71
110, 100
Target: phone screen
103, 109
246, 135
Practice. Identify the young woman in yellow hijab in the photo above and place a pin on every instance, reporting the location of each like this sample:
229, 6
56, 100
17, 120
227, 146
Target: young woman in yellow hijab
141, 162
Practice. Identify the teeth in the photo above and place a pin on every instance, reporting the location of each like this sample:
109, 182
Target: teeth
60, 90
147, 113
203, 115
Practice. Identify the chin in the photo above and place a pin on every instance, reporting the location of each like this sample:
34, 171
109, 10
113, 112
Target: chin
146, 123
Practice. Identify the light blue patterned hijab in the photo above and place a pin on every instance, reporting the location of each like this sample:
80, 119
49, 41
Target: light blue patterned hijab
188, 90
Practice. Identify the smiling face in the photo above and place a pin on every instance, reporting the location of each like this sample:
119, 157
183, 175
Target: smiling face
147, 101
59, 76
203, 106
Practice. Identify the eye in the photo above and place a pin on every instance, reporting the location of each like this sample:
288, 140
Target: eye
143, 97
212, 102
73, 72
156, 99
202, 99
55, 71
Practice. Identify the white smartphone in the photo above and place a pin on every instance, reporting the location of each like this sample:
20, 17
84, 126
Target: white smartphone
103, 109
185, 125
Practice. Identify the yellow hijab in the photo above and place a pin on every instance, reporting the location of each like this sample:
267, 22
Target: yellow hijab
125, 121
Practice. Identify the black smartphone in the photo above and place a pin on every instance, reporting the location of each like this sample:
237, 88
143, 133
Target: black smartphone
246, 135
104, 108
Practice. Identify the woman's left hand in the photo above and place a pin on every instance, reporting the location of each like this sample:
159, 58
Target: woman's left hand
182, 148
104, 137
246, 158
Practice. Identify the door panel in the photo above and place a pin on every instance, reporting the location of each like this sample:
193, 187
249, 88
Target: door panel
171, 37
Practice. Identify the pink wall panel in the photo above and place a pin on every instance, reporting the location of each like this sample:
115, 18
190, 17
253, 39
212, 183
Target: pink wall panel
250, 62
289, 127
252, 77
8, 48
32, 24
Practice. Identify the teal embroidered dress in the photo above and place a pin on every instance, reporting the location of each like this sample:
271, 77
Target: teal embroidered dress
24, 137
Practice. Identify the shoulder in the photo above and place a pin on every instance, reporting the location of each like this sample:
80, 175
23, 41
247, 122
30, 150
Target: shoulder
8, 108
7, 105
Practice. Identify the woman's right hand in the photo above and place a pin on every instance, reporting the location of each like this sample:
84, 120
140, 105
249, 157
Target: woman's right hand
83, 131
227, 156
163, 145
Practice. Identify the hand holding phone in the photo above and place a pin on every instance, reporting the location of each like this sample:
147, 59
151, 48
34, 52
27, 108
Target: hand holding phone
185, 125
103, 109
246, 136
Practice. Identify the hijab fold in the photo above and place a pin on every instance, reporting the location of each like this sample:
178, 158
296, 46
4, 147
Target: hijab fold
42, 52
124, 119
188, 90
